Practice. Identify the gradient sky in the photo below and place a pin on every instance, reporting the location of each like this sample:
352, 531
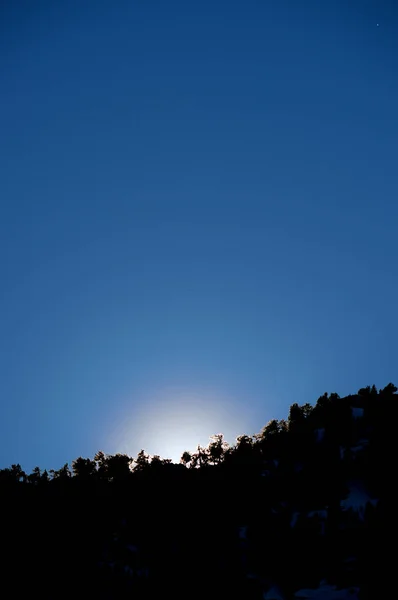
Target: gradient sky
198, 217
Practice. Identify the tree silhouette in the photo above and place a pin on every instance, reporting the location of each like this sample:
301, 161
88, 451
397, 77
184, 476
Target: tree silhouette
298, 415
84, 468
244, 444
17, 473
37, 477
216, 448
118, 467
101, 465
141, 463
186, 458
368, 391
13, 475
62, 475
389, 390
271, 429
200, 458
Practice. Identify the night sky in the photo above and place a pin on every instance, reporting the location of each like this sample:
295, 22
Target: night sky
198, 217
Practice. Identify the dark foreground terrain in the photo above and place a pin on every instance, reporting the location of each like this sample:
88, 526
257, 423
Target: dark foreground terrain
304, 509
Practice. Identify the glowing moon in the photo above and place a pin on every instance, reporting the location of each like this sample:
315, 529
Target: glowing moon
173, 420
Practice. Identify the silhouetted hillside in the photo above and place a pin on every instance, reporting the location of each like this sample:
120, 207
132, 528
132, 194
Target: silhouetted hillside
304, 509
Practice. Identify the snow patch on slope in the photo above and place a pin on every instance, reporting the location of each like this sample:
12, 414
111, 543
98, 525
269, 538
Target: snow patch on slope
357, 499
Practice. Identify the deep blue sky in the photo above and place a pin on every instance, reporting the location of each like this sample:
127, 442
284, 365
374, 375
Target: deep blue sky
198, 217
